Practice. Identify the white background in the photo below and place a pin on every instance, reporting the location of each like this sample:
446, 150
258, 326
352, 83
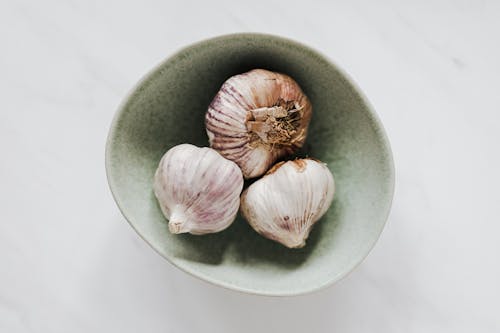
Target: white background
70, 262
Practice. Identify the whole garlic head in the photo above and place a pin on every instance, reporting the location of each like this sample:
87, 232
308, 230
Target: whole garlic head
256, 118
288, 200
198, 190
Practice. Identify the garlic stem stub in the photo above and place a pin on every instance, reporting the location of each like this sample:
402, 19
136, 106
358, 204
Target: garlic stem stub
256, 118
288, 200
197, 189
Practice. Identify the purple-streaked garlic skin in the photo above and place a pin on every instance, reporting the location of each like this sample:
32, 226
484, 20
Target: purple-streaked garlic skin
197, 189
285, 204
256, 118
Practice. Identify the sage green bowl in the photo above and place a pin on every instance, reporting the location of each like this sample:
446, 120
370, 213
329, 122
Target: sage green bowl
167, 108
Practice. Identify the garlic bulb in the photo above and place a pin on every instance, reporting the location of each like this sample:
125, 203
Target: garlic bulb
288, 200
198, 190
256, 118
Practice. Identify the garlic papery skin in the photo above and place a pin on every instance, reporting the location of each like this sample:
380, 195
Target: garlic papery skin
288, 200
256, 118
198, 190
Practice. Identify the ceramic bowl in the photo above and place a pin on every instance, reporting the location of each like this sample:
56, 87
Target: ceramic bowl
167, 108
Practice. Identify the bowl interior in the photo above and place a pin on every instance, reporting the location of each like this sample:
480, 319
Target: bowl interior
167, 108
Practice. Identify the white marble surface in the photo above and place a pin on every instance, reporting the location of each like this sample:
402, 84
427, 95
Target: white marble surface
70, 263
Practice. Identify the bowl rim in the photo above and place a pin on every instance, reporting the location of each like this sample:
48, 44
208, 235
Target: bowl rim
373, 116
